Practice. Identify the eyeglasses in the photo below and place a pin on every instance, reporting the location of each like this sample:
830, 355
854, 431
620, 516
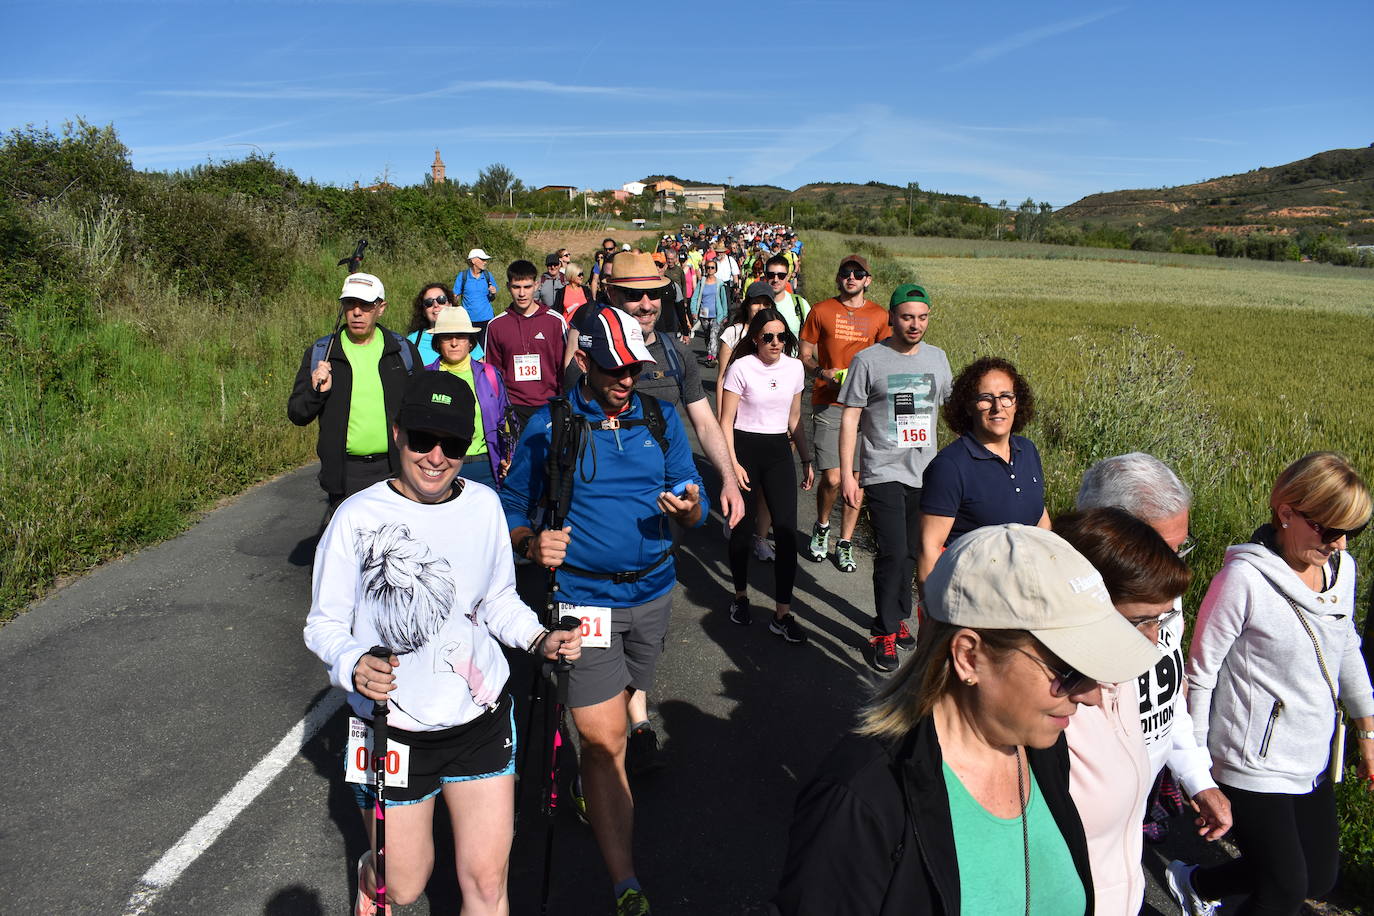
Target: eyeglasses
1062, 684
1161, 621
858, 273
780, 275
1332, 535
1187, 546
769, 337
422, 443
984, 401
436, 300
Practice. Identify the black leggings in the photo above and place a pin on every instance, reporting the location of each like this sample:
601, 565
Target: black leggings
767, 459
1288, 851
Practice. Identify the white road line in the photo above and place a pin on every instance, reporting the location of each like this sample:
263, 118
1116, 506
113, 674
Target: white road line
205, 831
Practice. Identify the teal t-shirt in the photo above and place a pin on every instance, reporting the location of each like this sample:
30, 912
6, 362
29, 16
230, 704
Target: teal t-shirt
368, 433
992, 858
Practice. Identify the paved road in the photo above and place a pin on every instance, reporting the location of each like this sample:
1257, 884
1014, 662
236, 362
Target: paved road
145, 693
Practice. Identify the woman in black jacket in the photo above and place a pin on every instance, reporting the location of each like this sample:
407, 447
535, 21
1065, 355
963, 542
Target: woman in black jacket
953, 795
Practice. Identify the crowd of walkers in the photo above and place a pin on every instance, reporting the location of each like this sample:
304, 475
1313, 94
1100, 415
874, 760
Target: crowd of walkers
1015, 761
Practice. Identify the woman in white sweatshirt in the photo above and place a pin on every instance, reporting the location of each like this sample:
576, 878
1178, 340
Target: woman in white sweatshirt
1273, 651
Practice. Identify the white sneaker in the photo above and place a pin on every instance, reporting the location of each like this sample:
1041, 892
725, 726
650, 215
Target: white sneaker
1179, 877
764, 550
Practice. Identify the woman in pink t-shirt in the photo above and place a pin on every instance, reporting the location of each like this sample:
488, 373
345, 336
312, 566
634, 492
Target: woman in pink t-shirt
761, 418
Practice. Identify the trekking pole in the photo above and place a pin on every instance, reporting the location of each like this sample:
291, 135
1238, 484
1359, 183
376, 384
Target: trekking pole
380, 750
354, 261
554, 713
556, 499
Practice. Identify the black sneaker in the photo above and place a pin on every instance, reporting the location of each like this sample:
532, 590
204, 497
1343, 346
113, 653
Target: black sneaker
641, 752
788, 628
739, 611
904, 638
884, 652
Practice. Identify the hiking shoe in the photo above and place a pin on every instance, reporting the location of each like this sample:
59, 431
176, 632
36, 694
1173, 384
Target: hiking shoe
579, 799
641, 752
904, 638
764, 550
884, 652
820, 542
1179, 878
365, 905
844, 556
632, 903
788, 628
739, 611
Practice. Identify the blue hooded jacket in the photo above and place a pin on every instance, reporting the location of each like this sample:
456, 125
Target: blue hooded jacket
616, 523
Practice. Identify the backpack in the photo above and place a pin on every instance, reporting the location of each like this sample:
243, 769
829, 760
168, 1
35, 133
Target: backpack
674, 369
321, 347
463, 282
652, 419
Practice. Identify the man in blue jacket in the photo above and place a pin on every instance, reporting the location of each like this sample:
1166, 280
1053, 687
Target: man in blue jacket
633, 477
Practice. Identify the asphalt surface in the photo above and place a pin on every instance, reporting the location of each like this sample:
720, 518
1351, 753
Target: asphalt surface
144, 692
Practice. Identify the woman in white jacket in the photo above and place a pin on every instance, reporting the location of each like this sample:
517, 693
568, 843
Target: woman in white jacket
1273, 652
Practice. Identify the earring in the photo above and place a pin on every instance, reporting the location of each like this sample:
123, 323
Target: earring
1285, 524
970, 681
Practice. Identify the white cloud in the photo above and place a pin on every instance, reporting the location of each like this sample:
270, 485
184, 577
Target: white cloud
1029, 37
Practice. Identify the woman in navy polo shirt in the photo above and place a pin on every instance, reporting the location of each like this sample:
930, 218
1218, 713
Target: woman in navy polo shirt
989, 475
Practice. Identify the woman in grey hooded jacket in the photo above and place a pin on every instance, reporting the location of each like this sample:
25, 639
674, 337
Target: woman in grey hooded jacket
1273, 654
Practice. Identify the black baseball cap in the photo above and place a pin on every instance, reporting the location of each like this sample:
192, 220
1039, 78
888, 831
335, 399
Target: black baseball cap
438, 402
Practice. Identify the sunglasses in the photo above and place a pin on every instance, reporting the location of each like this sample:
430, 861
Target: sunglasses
782, 275
1332, 535
633, 370
422, 443
361, 305
1062, 683
858, 273
435, 300
769, 337
1187, 546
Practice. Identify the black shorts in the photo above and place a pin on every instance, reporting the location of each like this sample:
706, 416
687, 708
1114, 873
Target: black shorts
479, 749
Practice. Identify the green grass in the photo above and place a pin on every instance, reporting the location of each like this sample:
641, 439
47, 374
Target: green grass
1227, 369
122, 426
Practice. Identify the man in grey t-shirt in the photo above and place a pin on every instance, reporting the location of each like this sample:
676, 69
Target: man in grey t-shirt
893, 392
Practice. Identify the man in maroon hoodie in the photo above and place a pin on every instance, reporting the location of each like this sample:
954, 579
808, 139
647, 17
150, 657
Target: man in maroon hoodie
526, 343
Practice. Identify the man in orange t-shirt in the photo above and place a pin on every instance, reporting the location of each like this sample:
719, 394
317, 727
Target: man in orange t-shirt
835, 330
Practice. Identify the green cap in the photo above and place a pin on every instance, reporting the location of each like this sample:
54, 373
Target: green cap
908, 292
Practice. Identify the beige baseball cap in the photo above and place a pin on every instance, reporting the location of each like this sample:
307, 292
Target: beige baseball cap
1014, 577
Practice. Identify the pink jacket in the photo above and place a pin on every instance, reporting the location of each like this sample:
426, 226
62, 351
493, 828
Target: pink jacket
1109, 779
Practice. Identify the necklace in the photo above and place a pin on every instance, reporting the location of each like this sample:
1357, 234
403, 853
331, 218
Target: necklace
1025, 832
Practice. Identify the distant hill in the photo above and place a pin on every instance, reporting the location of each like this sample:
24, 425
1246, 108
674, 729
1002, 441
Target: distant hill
873, 195
1331, 191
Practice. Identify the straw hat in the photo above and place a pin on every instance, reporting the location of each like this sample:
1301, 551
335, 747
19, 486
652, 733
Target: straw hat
453, 320
635, 270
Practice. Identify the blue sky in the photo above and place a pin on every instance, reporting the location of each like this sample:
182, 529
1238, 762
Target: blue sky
1002, 100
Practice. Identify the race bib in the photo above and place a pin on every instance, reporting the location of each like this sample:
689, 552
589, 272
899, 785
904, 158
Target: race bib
527, 367
358, 757
915, 428
596, 624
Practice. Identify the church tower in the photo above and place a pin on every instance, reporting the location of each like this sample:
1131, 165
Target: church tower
437, 169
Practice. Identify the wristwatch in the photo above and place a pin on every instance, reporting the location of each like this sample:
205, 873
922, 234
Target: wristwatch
1366, 734
523, 548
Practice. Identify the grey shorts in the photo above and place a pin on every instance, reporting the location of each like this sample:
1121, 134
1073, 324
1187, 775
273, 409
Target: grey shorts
637, 637
825, 437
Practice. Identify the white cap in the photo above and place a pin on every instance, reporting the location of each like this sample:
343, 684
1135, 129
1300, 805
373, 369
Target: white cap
1014, 577
362, 286
478, 253
625, 246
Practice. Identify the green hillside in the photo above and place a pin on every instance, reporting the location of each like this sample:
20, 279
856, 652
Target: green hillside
1329, 192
